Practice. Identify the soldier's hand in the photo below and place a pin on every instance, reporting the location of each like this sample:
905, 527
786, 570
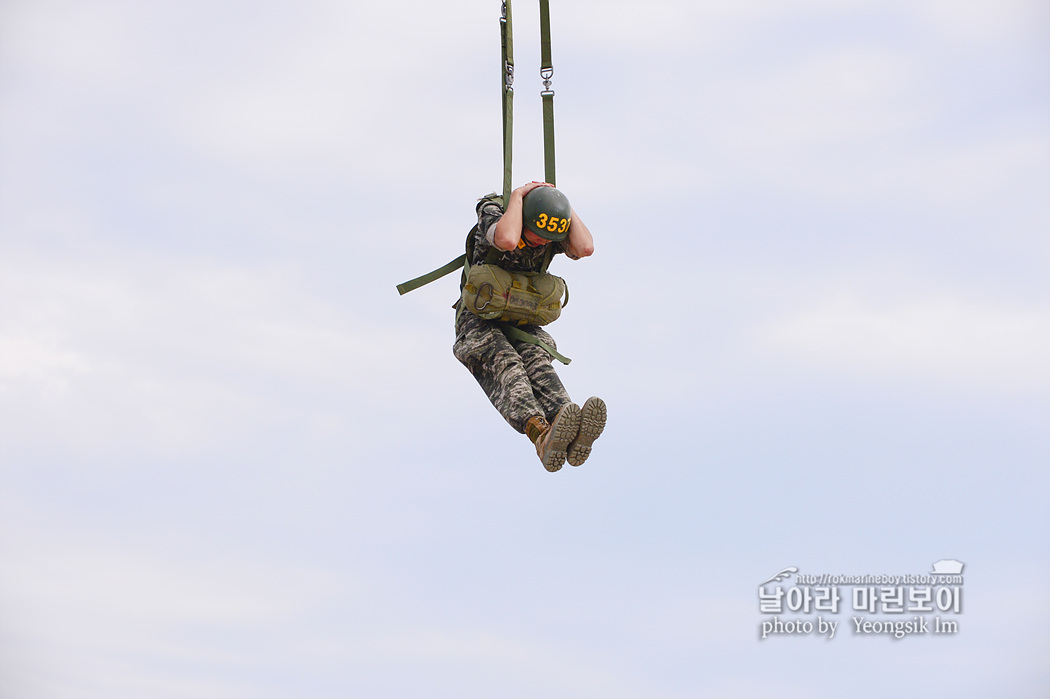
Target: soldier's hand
526, 188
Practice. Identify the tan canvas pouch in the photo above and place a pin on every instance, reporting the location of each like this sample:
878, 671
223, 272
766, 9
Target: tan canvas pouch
524, 298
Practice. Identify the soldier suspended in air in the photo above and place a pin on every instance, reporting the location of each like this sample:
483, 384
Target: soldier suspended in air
507, 294
512, 358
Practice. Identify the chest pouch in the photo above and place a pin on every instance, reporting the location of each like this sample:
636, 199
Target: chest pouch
524, 298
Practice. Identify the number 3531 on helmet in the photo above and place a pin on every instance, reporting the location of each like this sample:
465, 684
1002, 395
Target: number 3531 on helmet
546, 212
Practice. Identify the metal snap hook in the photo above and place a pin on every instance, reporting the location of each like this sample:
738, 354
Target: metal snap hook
488, 300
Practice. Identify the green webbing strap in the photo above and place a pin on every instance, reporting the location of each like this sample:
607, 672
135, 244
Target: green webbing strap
548, 137
506, 28
509, 40
431, 276
545, 34
547, 95
548, 255
515, 333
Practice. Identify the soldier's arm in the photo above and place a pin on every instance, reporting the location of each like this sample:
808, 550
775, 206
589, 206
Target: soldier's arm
507, 231
579, 243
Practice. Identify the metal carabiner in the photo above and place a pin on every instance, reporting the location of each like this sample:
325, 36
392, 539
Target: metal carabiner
478, 294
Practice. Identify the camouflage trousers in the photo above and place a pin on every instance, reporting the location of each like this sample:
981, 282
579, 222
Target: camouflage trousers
516, 376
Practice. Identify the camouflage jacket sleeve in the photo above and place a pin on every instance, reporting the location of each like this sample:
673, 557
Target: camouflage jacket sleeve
523, 259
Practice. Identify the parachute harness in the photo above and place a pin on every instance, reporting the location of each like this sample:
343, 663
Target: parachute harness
547, 97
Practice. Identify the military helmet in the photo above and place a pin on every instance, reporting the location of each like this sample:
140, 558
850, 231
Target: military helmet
546, 212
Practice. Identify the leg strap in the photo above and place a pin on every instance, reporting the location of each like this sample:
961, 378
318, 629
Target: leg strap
515, 333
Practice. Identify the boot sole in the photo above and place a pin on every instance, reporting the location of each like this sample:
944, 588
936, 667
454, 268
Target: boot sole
564, 429
592, 422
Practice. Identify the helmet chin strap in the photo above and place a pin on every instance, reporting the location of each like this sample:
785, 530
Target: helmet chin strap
524, 242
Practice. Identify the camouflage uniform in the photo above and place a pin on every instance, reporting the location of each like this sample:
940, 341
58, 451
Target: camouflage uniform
516, 376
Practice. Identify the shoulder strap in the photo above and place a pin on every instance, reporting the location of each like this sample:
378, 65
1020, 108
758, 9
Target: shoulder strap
490, 256
548, 255
547, 94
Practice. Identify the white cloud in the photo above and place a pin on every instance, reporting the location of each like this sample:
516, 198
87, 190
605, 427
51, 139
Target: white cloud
200, 342
85, 614
45, 363
179, 353
980, 21
971, 343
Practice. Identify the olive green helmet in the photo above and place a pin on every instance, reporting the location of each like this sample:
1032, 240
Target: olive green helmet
546, 212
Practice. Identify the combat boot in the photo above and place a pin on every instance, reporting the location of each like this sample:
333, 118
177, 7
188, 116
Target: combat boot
553, 439
592, 422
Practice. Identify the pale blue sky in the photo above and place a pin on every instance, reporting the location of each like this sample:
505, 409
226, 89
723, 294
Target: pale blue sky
235, 464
